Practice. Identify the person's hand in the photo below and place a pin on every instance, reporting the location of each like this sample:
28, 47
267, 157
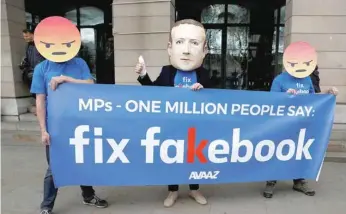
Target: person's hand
196, 86
140, 67
45, 138
333, 91
55, 81
291, 91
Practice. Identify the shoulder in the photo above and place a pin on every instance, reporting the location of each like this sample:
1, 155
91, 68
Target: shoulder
78, 60
283, 76
167, 69
43, 63
42, 66
280, 79
308, 79
202, 71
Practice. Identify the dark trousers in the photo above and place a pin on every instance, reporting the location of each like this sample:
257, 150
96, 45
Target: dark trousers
50, 192
173, 188
295, 181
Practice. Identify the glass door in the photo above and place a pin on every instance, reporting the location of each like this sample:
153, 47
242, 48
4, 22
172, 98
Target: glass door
215, 57
237, 57
88, 48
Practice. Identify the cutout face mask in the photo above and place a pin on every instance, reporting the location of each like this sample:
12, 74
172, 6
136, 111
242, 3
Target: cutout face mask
57, 39
188, 47
300, 59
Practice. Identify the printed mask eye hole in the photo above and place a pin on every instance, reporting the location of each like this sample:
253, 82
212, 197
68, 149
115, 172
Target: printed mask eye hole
68, 44
47, 44
308, 63
292, 64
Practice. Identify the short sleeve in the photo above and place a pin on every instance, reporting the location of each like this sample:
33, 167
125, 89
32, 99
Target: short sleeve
86, 75
276, 85
311, 86
38, 85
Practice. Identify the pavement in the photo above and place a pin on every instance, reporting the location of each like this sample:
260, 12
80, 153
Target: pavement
24, 165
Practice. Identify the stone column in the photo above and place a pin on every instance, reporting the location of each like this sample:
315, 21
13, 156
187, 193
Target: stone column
322, 24
15, 97
141, 27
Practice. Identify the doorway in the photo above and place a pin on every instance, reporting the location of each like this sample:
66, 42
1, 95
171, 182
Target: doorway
245, 40
95, 36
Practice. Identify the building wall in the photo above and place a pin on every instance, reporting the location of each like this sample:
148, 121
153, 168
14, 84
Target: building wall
14, 94
323, 26
141, 27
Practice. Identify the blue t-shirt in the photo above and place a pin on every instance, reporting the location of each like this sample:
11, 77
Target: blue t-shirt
285, 81
185, 79
46, 70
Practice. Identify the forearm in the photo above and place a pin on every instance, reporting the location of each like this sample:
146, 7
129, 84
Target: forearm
41, 113
73, 80
323, 92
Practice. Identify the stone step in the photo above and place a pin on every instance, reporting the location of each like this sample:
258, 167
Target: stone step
337, 157
20, 126
28, 117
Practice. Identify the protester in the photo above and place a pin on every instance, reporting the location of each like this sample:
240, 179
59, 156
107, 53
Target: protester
31, 59
315, 78
49, 74
186, 49
300, 61
32, 56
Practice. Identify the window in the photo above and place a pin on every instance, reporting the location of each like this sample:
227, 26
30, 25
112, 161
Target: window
244, 52
72, 16
86, 18
91, 16
213, 14
28, 18
238, 14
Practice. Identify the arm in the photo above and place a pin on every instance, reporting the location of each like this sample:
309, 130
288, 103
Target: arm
38, 87
331, 90
41, 111
144, 79
86, 77
315, 87
73, 80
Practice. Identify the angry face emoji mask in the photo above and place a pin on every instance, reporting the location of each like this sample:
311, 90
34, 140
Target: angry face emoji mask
300, 59
57, 39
